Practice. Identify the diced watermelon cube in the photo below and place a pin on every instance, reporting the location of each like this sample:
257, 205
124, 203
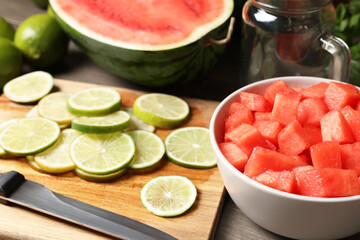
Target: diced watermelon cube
326, 155
246, 137
327, 182
255, 102
234, 154
263, 159
266, 116
280, 180
235, 107
315, 91
302, 157
311, 111
312, 134
239, 114
298, 89
350, 156
285, 109
269, 129
353, 118
357, 106
275, 88
334, 127
338, 95
292, 139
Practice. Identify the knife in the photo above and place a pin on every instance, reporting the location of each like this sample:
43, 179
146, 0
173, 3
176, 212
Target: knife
14, 188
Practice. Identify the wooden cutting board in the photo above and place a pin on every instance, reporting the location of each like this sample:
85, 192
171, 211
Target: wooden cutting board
120, 196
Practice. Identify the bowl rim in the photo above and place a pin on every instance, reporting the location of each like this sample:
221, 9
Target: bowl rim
253, 183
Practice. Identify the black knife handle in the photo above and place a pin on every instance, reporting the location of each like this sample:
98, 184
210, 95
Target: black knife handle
9, 182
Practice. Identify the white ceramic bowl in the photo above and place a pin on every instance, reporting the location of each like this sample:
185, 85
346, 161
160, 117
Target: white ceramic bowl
286, 214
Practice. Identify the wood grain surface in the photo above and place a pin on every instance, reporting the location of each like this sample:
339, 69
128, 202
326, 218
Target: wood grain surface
120, 196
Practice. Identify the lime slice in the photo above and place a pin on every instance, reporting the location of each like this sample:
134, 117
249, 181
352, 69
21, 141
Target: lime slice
136, 123
168, 196
161, 110
33, 164
28, 136
149, 149
110, 123
3, 125
29, 87
35, 113
102, 153
56, 159
99, 178
94, 101
53, 107
190, 147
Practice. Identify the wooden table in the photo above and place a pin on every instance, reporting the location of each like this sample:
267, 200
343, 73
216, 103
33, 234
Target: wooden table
215, 85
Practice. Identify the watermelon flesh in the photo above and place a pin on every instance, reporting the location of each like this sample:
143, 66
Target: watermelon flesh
153, 43
306, 142
157, 23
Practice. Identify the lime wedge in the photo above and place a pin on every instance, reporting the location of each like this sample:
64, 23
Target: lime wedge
29, 87
149, 149
102, 153
168, 196
161, 110
110, 123
28, 136
99, 178
136, 123
94, 101
53, 107
56, 159
190, 147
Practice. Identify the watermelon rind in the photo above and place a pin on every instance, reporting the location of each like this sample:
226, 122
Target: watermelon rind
151, 65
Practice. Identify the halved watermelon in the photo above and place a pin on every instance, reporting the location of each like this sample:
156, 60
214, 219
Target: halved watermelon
149, 42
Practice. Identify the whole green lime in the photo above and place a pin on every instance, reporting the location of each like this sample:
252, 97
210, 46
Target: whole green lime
10, 61
6, 30
41, 40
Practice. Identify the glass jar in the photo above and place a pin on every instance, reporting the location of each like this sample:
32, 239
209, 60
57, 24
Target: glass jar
290, 38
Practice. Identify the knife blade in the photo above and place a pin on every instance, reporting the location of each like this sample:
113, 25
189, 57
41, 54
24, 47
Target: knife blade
14, 188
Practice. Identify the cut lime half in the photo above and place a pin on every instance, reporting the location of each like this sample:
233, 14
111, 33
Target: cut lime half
190, 147
161, 110
149, 149
56, 159
168, 196
110, 123
28, 136
29, 88
102, 153
94, 102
